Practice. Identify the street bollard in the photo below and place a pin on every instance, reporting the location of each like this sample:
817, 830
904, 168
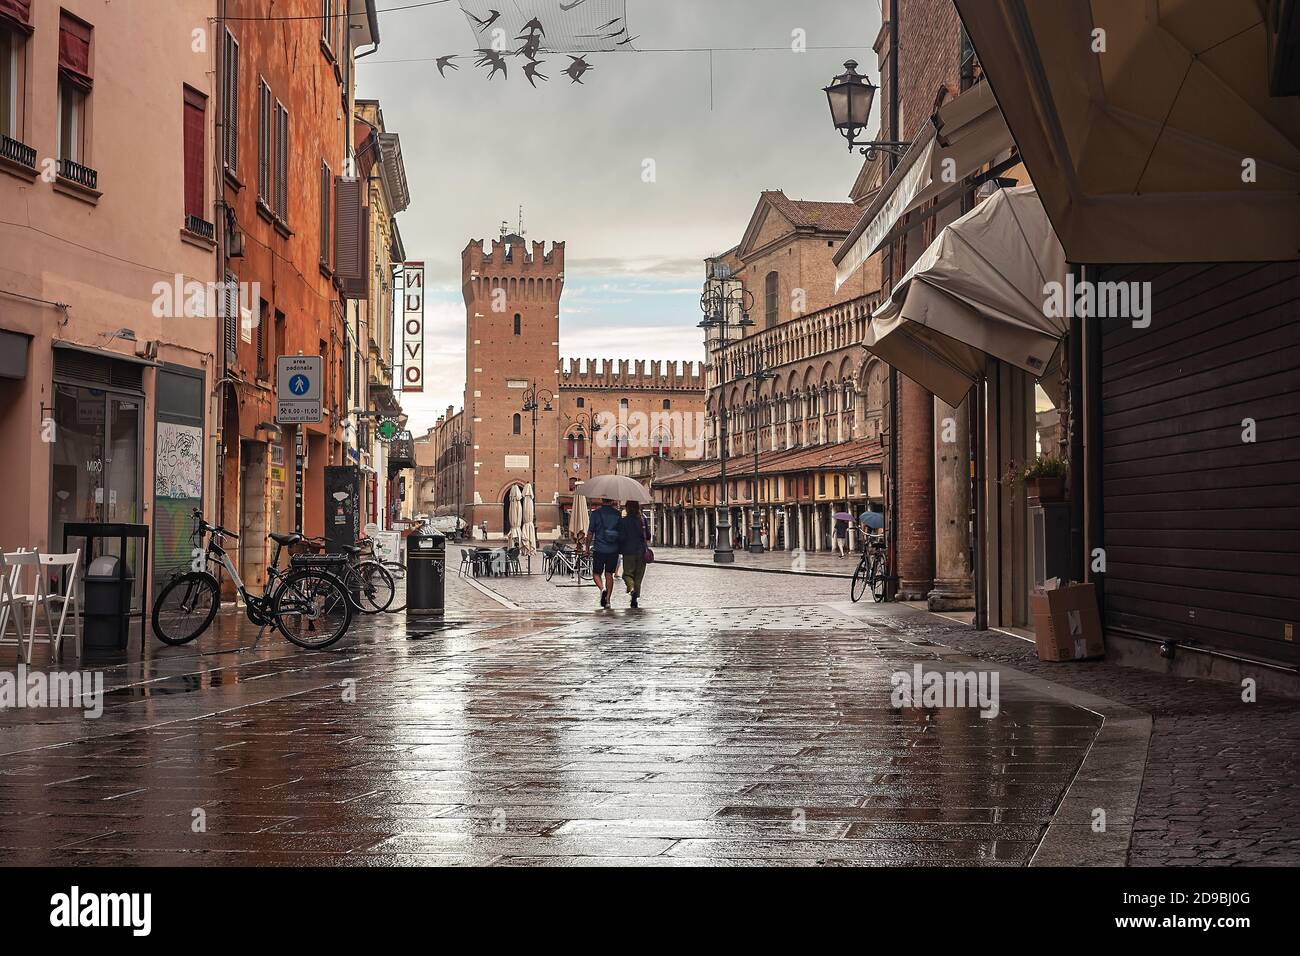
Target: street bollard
426, 574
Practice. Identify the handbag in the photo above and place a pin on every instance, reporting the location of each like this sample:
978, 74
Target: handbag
649, 555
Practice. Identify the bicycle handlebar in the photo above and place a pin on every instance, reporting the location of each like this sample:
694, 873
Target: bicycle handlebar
213, 528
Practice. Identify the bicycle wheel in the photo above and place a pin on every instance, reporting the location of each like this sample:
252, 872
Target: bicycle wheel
859, 586
878, 578
377, 588
551, 562
185, 608
396, 568
311, 608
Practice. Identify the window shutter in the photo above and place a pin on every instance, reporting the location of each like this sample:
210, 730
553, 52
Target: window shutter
74, 50
326, 177
282, 164
231, 106
230, 310
193, 130
264, 140
351, 238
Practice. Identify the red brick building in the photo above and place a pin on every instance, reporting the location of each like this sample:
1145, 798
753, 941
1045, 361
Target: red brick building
514, 377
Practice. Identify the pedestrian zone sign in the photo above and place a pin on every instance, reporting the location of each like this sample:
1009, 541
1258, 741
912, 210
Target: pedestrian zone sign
297, 389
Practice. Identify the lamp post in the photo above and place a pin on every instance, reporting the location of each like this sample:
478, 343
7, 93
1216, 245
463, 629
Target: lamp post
536, 399
460, 440
588, 425
720, 299
759, 375
850, 96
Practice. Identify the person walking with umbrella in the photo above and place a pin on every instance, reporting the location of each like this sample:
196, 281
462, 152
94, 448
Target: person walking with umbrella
605, 548
634, 543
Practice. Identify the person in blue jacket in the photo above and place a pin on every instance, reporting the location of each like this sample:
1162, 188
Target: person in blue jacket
605, 547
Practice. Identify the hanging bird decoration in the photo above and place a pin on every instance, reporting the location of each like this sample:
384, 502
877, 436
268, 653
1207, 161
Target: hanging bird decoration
530, 71
495, 60
578, 67
484, 24
578, 29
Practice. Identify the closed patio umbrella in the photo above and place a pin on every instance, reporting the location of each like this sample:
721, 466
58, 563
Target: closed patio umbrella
515, 512
579, 518
529, 531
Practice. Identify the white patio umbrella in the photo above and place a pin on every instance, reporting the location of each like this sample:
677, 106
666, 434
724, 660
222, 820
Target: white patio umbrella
529, 530
579, 518
615, 488
515, 513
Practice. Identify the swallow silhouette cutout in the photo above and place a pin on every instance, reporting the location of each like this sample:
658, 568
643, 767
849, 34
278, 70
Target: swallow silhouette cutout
606, 26
444, 62
628, 40
530, 71
495, 60
530, 47
532, 26
578, 67
566, 7
484, 24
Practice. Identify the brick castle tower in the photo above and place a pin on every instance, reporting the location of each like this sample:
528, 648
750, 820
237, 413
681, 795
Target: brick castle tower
512, 335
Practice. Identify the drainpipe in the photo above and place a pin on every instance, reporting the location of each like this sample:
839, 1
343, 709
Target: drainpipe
219, 214
894, 417
1092, 424
1076, 438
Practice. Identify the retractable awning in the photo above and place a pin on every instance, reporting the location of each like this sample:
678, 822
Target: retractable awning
1149, 128
977, 291
966, 134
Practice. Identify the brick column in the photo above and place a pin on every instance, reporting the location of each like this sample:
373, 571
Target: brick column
915, 491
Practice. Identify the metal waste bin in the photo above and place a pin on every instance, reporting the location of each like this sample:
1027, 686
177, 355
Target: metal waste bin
107, 598
426, 573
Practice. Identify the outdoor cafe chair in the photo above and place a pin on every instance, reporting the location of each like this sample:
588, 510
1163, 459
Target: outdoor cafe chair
17, 568
69, 601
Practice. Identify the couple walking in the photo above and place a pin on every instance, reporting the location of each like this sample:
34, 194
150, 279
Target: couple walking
615, 536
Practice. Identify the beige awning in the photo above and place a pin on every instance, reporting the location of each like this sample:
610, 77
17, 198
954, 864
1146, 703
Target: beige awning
977, 291
967, 134
1143, 152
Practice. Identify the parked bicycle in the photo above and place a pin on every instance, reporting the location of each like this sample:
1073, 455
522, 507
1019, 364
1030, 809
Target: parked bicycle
369, 584
567, 562
870, 572
306, 603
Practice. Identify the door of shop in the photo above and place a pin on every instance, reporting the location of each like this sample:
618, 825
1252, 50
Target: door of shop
95, 460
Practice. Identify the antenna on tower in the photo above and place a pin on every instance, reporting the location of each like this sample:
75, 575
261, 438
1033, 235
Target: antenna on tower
521, 232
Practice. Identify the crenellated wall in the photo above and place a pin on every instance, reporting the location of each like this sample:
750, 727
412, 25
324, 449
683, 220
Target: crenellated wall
634, 374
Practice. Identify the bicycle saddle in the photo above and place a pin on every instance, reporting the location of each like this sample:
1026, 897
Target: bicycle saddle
285, 539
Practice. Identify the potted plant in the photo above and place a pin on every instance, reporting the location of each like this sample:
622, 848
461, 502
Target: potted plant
1045, 478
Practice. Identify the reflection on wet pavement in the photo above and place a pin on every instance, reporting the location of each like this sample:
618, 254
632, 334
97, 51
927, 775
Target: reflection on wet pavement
666, 737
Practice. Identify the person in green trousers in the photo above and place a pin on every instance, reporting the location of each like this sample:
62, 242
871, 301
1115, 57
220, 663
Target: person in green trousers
633, 540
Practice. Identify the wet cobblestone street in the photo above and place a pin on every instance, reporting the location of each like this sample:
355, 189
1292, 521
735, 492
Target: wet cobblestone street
753, 733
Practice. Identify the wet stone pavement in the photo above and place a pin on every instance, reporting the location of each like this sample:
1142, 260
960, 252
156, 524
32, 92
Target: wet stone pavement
758, 733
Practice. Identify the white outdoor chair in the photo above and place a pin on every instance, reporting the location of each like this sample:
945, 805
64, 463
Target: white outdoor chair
17, 568
69, 601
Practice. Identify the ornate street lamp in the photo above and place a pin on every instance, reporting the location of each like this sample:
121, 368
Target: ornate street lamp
850, 96
759, 375
588, 427
536, 400
718, 303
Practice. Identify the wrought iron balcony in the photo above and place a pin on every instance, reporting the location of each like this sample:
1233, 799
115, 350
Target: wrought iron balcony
17, 152
200, 227
79, 174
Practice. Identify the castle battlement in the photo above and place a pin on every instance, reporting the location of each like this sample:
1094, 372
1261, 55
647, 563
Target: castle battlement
511, 255
624, 374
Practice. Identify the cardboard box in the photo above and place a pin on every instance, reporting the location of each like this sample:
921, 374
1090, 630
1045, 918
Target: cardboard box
1066, 624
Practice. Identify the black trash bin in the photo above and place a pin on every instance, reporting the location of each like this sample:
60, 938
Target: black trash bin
107, 598
426, 573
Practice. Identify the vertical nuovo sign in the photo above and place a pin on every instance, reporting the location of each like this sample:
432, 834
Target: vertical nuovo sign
413, 327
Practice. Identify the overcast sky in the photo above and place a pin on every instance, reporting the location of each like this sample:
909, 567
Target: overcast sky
573, 156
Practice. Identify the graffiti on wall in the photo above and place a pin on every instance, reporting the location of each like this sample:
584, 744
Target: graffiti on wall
178, 471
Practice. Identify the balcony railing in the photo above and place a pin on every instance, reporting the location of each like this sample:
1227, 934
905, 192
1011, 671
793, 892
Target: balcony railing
79, 174
17, 152
200, 227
